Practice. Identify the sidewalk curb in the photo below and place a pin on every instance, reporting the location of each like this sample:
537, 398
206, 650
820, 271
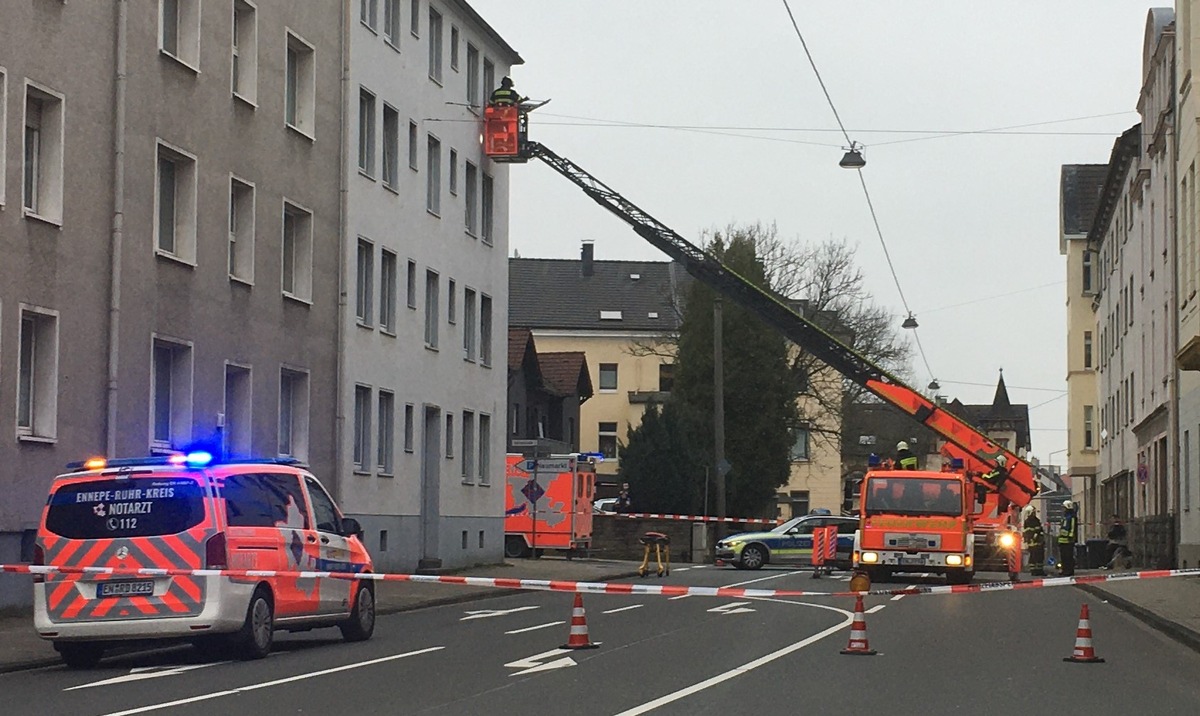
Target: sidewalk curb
467, 596
1184, 635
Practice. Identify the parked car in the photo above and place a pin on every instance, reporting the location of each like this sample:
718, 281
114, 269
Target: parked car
605, 506
789, 543
186, 512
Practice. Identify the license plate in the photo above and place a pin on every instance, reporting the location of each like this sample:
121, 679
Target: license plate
912, 560
138, 587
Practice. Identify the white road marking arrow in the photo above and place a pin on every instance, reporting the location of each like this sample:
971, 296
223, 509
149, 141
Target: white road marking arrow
532, 663
141, 673
485, 613
732, 608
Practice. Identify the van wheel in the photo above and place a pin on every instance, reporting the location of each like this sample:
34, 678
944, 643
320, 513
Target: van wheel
80, 654
515, 547
361, 623
254, 639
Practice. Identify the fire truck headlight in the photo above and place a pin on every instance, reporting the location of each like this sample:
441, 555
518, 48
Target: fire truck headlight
1007, 540
870, 557
954, 560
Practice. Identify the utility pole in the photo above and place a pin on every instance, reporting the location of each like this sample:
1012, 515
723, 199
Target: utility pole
719, 412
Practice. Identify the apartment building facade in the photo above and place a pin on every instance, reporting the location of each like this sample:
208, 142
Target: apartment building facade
1187, 280
423, 392
1079, 194
165, 174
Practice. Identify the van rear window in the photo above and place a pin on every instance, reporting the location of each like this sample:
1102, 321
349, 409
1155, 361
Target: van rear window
137, 507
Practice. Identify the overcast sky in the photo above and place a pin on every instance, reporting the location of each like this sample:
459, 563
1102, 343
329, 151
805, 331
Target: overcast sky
964, 217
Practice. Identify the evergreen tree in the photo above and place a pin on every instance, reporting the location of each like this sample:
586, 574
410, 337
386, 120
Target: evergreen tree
760, 387
662, 465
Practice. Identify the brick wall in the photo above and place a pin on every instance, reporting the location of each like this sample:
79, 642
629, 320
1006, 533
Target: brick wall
615, 537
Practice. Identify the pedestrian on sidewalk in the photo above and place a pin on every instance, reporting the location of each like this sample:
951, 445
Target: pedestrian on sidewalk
1067, 533
624, 499
1117, 542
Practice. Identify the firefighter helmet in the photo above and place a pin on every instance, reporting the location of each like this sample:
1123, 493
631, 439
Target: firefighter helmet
1068, 505
901, 445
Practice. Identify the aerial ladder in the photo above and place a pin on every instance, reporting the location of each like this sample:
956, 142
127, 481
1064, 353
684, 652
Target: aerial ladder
1006, 481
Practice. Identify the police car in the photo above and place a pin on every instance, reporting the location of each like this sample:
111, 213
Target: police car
789, 543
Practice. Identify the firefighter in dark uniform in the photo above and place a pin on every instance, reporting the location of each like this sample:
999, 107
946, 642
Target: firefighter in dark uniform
1067, 534
904, 457
1035, 539
505, 95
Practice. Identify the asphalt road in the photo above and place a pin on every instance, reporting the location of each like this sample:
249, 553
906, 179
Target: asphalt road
975, 653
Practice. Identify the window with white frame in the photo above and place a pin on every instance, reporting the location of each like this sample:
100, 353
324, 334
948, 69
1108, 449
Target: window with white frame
365, 285
170, 394
432, 291
435, 45
413, 149
433, 176
368, 13
412, 284
473, 98
449, 436
386, 438
391, 22
487, 197
241, 230
1089, 413
175, 204
607, 439
608, 376
296, 275
387, 291
293, 413
485, 330
43, 153
489, 77
362, 428
451, 301
468, 446
469, 324
366, 131
414, 19
236, 432
471, 198
179, 30
300, 78
244, 74
485, 449
37, 374
800, 444
454, 48
391, 146
3, 130
409, 427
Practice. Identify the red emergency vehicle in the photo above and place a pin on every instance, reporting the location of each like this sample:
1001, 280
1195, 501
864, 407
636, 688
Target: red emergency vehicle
561, 515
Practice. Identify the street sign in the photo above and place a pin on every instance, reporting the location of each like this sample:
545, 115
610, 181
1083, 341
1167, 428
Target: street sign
558, 464
723, 467
526, 465
524, 442
532, 490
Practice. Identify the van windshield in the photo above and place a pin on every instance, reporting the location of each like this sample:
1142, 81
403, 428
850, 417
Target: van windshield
128, 507
913, 496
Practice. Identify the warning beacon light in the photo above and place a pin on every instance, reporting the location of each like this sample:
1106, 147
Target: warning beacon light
196, 458
873, 460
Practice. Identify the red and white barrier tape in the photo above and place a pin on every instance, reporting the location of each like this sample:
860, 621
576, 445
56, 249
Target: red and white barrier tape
702, 518
547, 585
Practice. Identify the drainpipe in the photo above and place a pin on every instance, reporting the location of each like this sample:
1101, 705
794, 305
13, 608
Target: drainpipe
116, 239
343, 220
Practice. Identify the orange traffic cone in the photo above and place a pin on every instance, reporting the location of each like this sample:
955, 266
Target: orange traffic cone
578, 638
858, 632
1084, 652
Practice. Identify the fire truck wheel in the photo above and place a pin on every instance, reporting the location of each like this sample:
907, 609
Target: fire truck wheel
515, 547
753, 556
959, 577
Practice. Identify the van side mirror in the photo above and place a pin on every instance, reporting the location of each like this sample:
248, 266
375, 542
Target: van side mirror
351, 528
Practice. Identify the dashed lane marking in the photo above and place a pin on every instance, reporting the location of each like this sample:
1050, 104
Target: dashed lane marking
535, 628
876, 608
682, 569
623, 609
898, 597
276, 682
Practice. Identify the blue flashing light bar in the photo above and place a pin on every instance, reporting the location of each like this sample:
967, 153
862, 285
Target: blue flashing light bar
956, 463
874, 460
193, 459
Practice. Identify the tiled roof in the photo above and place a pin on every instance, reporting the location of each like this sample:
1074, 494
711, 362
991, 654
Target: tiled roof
631, 295
520, 341
1080, 187
566, 373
